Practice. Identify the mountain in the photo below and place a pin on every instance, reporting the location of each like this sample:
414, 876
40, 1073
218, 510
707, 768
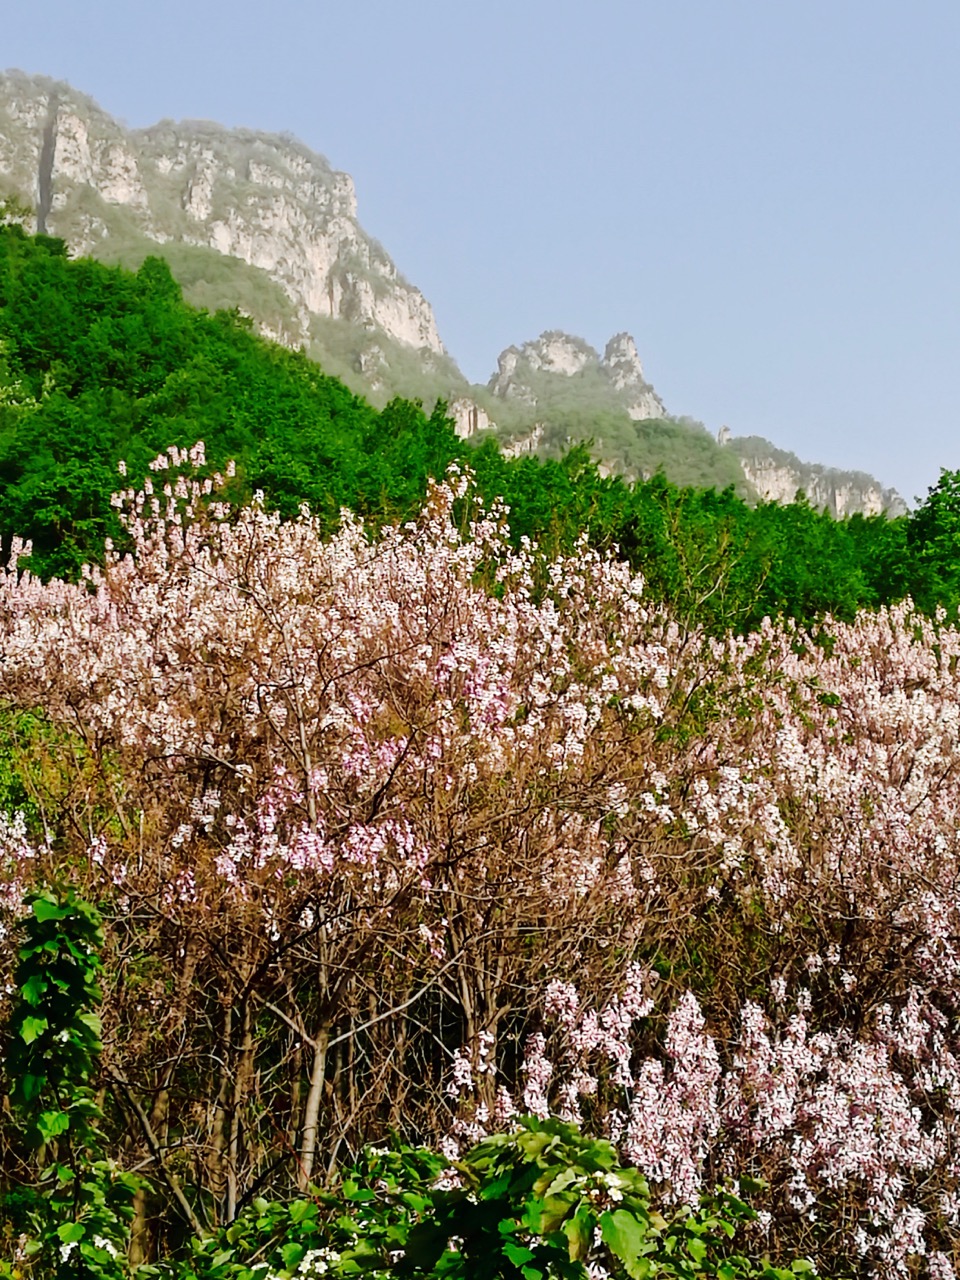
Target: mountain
259, 222
246, 219
267, 201
776, 475
558, 390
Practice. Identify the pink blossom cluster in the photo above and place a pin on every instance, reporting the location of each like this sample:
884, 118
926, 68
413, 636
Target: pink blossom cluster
450, 831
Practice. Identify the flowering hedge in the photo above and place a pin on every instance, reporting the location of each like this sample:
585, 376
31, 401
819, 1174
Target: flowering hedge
418, 831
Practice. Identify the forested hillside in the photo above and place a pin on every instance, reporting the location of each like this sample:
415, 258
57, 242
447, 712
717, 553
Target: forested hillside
100, 365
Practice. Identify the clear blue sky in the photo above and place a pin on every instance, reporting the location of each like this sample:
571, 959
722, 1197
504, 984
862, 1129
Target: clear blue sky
764, 192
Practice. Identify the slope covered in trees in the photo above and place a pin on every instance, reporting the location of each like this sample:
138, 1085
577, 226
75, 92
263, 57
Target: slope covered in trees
100, 365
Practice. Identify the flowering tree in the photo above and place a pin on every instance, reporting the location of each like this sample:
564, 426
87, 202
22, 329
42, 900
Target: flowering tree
418, 831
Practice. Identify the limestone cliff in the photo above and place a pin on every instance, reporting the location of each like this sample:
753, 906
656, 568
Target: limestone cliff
777, 476
262, 199
621, 361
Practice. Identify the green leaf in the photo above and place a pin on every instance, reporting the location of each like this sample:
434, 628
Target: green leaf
31, 1086
32, 1027
517, 1253
626, 1236
47, 908
32, 990
697, 1249
50, 1124
301, 1210
752, 1186
555, 1210
533, 1144
292, 1254
71, 1232
554, 1181
579, 1233
494, 1190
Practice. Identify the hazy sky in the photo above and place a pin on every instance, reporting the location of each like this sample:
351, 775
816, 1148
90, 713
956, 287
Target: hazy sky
763, 192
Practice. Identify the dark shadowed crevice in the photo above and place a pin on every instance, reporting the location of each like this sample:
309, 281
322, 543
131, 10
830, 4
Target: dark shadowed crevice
45, 174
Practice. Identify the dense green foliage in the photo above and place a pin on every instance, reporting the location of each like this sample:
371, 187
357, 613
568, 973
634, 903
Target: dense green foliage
542, 1201
99, 364
72, 1208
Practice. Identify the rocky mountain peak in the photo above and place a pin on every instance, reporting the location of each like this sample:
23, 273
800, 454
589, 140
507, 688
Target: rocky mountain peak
556, 352
622, 360
618, 375
264, 199
260, 222
777, 475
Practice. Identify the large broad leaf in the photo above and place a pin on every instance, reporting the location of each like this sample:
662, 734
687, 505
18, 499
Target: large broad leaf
495, 1189
518, 1254
697, 1249
554, 1210
47, 908
33, 989
31, 1086
579, 1233
50, 1124
626, 1237
30, 1028
533, 1144
301, 1210
292, 1254
554, 1181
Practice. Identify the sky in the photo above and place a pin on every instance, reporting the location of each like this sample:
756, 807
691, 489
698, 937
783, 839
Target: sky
765, 193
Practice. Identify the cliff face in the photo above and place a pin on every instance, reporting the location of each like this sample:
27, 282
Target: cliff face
776, 476
265, 200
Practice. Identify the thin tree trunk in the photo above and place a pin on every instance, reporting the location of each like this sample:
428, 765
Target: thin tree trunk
140, 1247
311, 1112
244, 1075
218, 1138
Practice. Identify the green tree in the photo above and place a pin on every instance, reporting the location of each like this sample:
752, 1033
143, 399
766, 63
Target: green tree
79, 1204
933, 544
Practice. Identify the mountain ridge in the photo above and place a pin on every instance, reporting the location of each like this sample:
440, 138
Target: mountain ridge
260, 222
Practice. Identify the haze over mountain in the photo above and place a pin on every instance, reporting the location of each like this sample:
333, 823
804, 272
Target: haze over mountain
259, 222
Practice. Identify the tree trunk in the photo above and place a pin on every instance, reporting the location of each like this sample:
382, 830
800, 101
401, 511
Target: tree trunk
311, 1112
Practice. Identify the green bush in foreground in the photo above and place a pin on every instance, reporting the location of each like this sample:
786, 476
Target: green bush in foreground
75, 1205
543, 1201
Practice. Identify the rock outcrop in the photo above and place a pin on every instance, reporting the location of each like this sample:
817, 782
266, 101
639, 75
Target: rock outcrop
264, 199
621, 360
777, 476
469, 418
525, 373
